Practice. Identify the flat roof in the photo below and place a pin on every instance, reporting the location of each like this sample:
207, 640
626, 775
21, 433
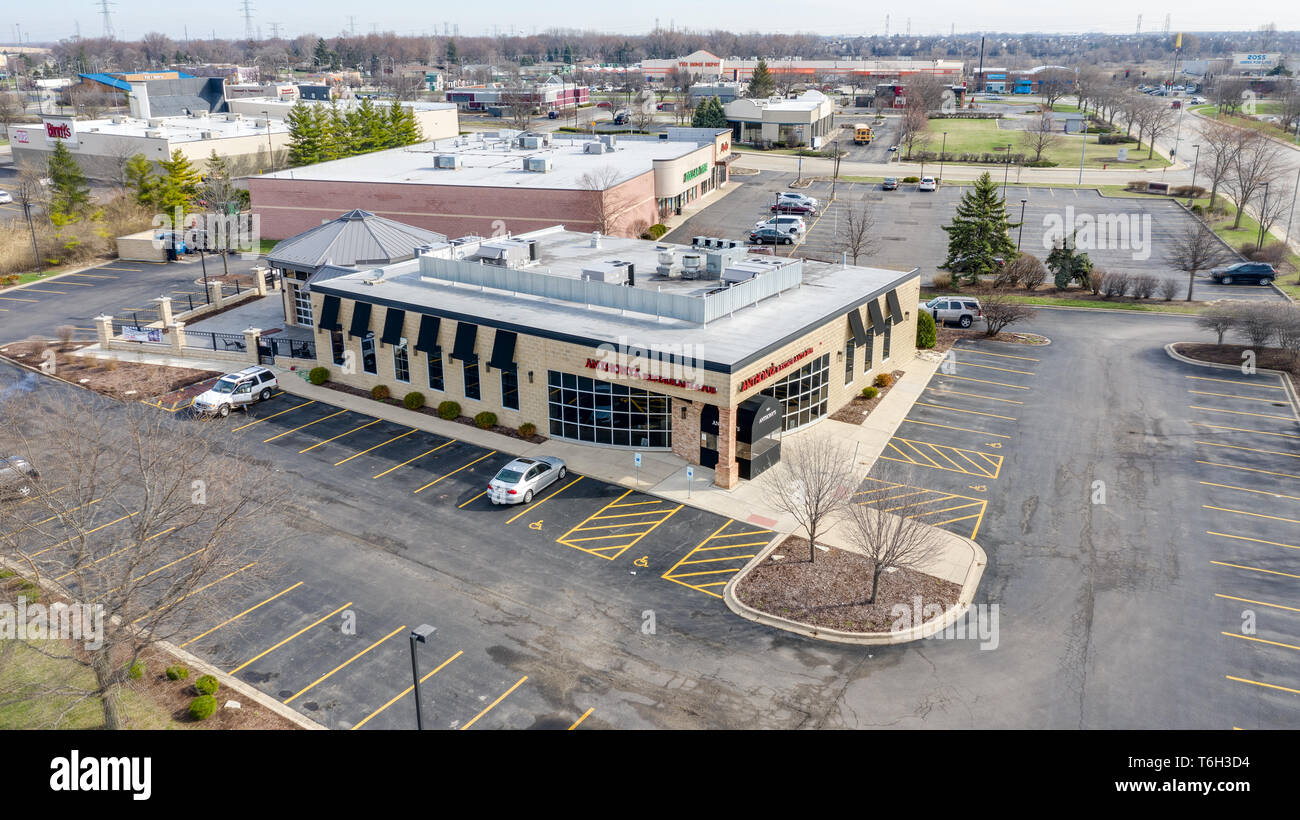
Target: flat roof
492, 161
726, 344
350, 102
184, 128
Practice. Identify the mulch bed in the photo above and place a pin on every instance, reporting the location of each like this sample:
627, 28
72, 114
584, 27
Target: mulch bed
856, 411
129, 381
832, 592
946, 337
432, 410
1269, 358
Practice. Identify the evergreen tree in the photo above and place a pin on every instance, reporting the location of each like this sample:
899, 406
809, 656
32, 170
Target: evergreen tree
709, 114
336, 140
1066, 265
453, 58
69, 193
321, 55
979, 231
140, 178
305, 138
568, 55
401, 127
179, 183
761, 83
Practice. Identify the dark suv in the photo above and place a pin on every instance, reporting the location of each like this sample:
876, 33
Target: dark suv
1255, 273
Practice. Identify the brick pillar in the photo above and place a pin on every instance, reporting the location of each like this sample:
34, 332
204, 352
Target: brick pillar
164, 310
104, 330
686, 430
214, 294
727, 474
177, 331
251, 335
259, 281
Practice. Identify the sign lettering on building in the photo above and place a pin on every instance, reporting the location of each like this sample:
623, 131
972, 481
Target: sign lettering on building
60, 129
637, 373
774, 368
695, 172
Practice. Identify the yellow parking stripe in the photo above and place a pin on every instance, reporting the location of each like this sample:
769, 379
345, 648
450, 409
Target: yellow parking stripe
986, 353
1261, 640
42, 495
991, 367
96, 275
1242, 413
1247, 490
1231, 396
339, 436
308, 424
537, 504
87, 532
1257, 603
959, 410
1248, 469
326, 676
1266, 685
1251, 514
1244, 430
1255, 569
723, 558
1234, 381
494, 703
1251, 449
234, 618
1256, 540
266, 652
16, 299
200, 589
273, 415
480, 495
42, 290
453, 472
577, 722
404, 463
103, 558
52, 517
981, 381
408, 689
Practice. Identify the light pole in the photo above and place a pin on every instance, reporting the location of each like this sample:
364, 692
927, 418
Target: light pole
270, 159
1294, 188
421, 634
1263, 209
1021, 234
1195, 162
1006, 172
943, 146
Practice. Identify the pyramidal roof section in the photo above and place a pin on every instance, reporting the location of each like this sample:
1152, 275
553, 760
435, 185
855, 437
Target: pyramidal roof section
354, 239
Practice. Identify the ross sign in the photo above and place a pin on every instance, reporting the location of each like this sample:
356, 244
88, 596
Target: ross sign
695, 172
773, 369
1256, 60
60, 129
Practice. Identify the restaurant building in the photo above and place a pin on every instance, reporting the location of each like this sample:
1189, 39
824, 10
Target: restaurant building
704, 350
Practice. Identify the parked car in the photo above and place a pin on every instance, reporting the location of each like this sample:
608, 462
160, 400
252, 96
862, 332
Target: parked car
6, 197
889, 184
793, 196
785, 224
963, 310
787, 207
893, 149
927, 184
775, 236
552, 115
521, 479
252, 384
1256, 273
17, 477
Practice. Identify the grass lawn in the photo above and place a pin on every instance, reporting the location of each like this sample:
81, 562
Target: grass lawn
264, 245
984, 136
1149, 306
1065, 107
1246, 122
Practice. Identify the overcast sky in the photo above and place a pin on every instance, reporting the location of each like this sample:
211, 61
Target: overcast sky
57, 19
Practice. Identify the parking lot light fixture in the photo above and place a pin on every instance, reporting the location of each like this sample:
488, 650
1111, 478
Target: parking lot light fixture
1021, 234
942, 147
1195, 161
421, 634
1263, 209
1006, 171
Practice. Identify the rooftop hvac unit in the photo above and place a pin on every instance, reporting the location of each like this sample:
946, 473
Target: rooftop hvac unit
530, 142
609, 140
154, 122
207, 135
594, 148
699, 241
537, 165
234, 117
118, 119
452, 162
153, 133
692, 265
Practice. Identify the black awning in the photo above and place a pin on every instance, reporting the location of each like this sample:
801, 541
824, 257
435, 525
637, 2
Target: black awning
428, 339
360, 320
895, 310
329, 314
393, 321
877, 320
463, 349
855, 324
757, 417
503, 351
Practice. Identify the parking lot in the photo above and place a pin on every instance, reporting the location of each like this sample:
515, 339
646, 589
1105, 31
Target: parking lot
1132, 235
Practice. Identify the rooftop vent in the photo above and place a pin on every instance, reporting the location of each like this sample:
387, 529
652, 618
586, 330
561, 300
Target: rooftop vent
537, 165
453, 162
594, 148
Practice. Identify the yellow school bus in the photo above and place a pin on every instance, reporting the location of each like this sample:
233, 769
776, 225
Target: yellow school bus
861, 134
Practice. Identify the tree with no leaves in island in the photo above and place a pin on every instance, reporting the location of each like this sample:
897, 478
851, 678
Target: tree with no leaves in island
1001, 311
134, 513
1040, 136
1196, 248
887, 529
856, 226
812, 482
1220, 317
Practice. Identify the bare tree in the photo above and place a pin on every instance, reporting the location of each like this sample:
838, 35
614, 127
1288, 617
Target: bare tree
1196, 248
912, 133
1055, 83
1220, 317
31, 195
518, 105
925, 93
603, 207
1257, 322
813, 482
856, 228
887, 529
138, 516
1256, 164
1159, 119
1040, 136
1220, 144
11, 108
1230, 92
1001, 311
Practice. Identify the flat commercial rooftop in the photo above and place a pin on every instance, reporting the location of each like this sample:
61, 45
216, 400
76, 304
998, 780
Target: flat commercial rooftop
492, 162
726, 344
183, 129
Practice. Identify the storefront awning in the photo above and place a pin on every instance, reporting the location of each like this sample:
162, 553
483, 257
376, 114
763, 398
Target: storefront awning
428, 338
895, 310
855, 324
360, 320
877, 320
329, 314
503, 351
393, 321
463, 348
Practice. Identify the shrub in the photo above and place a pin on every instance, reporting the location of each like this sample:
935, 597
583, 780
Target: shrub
1144, 285
527, 429
1273, 253
177, 672
413, 400
1028, 270
203, 707
1168, 288
657, 230
926, 336
1114, 284
911, 179
207, 685
485, 420
884, 380
448, 410
379, 392
1095, 277
1041, 163
941, 281
136, 670
318, 375
1199, 210
870, 392
1136, 184
1192, 191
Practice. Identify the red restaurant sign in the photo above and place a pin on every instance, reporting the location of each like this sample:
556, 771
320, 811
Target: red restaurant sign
772, 369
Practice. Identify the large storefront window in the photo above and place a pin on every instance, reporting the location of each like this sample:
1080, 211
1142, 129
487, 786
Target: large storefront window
611, 413
301, 305
803, 395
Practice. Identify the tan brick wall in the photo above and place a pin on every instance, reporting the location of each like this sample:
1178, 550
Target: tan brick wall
686, 429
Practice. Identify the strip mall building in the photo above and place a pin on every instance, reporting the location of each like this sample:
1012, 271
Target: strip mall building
707, 350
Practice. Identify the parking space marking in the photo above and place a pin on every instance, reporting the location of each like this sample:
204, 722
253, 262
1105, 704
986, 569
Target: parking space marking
16, 299
404, 463
959, 410
234, 618
96, 275
453, 472
1232, 396
475, 498
1247, 490
1256, 540
987, 465
999, 355
579, 721
494, 703
981, 381
308, 424
710, 577
87, 532
1261, 640
1243, 430
1255, 569
944, 392
1248, 469
249, 565
339, 436
42, 290
408, 689
1251, 514
273, 415
611, 551
1250, 449
103, 558
991, 367
312, 625
536, 504
1234, 381
327, 675
1261, 683
52, 517
978, 506
1257, 603
65, 284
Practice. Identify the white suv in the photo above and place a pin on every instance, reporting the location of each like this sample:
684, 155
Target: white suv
793, 197
785, 224
237, 390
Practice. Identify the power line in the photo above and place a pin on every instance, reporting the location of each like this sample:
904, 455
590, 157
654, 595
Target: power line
248, 19
108, 17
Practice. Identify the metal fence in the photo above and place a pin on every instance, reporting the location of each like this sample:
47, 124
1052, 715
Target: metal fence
209, 340
291, 348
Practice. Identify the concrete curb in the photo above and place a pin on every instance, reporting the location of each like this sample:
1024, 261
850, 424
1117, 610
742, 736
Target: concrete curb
974, 572
1287, 386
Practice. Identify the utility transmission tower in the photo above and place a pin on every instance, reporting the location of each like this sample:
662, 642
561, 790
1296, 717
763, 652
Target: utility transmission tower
1139, 28
108, 17
275, 31
886, 26
248, 18
1167, 18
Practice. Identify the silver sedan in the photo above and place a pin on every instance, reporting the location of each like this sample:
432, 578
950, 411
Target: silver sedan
521, 479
